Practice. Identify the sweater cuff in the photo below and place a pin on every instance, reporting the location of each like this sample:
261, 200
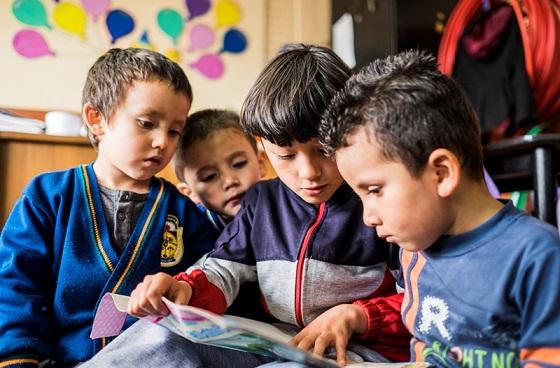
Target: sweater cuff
205, 295
374, 320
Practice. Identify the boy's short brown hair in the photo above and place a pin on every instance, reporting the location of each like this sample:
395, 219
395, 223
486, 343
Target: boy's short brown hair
410, 108
113, 72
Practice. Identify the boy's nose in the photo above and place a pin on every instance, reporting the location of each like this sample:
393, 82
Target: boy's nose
370, 218
308, 169
160, 141
230, 180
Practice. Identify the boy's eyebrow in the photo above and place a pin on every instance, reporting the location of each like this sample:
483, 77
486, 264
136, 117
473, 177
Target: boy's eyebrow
154, 113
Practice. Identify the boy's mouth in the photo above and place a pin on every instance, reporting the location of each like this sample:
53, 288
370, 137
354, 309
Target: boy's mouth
314, 191
235, 198
388, 238
153, 160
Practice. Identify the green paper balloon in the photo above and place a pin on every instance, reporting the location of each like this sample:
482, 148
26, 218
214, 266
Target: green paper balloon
30, 12
171, 23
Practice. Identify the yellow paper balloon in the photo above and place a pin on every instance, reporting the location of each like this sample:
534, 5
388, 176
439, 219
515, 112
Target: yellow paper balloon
71, 18
174, 55
141, 45
228, 13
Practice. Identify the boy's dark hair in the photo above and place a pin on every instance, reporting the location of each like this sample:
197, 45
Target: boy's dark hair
201, 125
112, 73
286, 102
410, 108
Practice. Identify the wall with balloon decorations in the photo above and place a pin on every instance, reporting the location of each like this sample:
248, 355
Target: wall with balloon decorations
47, 46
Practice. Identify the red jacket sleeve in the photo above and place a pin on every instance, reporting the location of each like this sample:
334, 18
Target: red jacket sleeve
386, 332
205, 295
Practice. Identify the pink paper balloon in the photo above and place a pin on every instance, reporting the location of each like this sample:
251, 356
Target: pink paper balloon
209, 65
201, 37
96, 7
31, 44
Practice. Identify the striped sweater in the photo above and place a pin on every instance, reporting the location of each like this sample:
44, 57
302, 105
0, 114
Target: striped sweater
306, 259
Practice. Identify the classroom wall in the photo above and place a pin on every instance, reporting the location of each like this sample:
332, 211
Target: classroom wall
55, 82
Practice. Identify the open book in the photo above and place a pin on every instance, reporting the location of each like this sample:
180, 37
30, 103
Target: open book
230, 332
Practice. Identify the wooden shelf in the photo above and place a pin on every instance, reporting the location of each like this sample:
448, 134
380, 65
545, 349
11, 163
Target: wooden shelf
44, 138
23, 156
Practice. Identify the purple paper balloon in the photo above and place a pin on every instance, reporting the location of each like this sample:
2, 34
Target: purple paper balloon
210, 65
201, 37
96, 7
197, 8
31, 44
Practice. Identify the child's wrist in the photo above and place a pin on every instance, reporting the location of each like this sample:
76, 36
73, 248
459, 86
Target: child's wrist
357, 318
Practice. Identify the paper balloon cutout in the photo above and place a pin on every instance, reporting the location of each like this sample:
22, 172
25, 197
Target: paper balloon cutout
96, 7
30, 12
228, 13
119, 24
71, 18
31, 44
171, 23
144, 42
173, 55
144, 38
197, 8
201, 37
209, 65
234, 41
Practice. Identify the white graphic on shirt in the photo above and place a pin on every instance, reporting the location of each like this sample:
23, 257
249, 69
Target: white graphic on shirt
434, 312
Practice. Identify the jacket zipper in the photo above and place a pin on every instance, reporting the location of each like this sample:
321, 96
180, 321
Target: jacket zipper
301, 261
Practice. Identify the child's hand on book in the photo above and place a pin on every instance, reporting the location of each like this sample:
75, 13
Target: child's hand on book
146, 298
332, 328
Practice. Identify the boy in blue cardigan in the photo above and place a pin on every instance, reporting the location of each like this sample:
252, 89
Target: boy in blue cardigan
75, 235
482, 278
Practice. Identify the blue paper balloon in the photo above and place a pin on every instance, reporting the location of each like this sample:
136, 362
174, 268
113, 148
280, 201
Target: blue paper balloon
234, 41
119, 23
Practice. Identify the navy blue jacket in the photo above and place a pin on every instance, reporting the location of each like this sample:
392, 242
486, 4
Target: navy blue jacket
306, 258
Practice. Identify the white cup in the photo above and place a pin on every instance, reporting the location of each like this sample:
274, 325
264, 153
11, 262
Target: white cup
62, 123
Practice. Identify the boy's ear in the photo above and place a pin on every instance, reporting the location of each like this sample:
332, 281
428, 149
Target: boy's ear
447, 169
261, 157
93, 119
187, 191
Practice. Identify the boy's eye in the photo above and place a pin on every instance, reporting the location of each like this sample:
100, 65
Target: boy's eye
174, 133
145, 123
239, 164
207, 178
286, 157
374, 190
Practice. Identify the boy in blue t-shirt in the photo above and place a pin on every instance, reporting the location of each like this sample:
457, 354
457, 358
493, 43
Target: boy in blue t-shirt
482, 278
216, 163
76, 234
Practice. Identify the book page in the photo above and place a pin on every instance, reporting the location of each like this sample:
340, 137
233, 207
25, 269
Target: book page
231, 332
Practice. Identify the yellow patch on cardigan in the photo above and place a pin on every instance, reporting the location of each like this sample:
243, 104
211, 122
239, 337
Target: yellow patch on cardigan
172, 248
